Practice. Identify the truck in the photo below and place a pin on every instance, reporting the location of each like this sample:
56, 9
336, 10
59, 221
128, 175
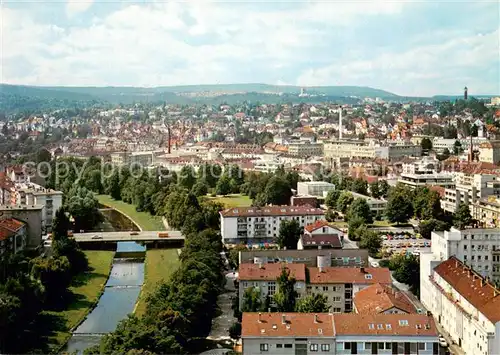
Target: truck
162, 235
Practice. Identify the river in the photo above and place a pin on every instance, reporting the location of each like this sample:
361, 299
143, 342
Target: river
118, 300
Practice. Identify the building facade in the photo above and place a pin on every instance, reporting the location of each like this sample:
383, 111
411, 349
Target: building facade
465, 304
314, 188
261, 225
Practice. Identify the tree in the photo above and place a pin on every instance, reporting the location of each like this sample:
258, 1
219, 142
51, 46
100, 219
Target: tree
426, 227
83, 207
200, 188
286, 296
399, 207
315, 303
457, 147
408, 272
43, 155
331, 198
54, 274
360, 208
462, 217
375, 190
60, 224
251, 300
426, 144
187, 177
354, 227
344, 201
113, 188
370, 240
383, 188
210, 173
360, 186
289, 234
223, 186
276, 192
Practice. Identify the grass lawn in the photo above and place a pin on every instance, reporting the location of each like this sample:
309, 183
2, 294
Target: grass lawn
235, 200
382, 223
339, 224
160, 264
87, 289
146, 221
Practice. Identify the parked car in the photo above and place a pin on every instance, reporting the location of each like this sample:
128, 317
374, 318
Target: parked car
96, 237
374, 264
134, 233
443, 342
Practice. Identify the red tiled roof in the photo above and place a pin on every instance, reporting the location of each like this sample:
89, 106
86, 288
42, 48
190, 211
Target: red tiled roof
439, 189
254, 272
5, 234
353, 275
380, 298
295, 325
11, 224
384, 324
316, 225
480, 294
272, 211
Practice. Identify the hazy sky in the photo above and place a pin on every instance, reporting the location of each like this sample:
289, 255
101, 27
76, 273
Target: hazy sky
407, 47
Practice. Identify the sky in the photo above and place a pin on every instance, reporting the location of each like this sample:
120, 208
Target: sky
417, 48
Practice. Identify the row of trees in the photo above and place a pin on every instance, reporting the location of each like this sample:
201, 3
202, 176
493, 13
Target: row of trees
32, 284
180, 310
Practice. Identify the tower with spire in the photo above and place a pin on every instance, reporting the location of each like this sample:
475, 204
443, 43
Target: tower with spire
465, 93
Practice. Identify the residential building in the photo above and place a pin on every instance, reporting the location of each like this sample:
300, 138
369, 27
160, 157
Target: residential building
478, 248
13, 235
489, 152
443, 179
487, 210
469, 188
33, 194
310, 333
304, 201
376, 205
31, 216
263, 277
310, 257
340, 284
320, 235
314, 188
261, 225
382, 298
465, 304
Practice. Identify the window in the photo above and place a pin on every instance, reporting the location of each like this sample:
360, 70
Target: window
371, 326
380, 326
313, 347
279, 346
325, 347
486, 257
368, 346
288, 346
381, 346
368, 276
336, 299
347, 346
264, 347
388, 346
334, 288
271, 288
337, 310
388, 327
465, 247
325, 288
421, 346
403, 322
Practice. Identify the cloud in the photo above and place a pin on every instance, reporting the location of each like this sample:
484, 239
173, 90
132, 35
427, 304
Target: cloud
74, 7
202, 42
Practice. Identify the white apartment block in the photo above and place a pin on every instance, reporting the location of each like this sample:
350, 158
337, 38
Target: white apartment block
33, 194
314, 188
324, 333
254, 225
489, 152
470, 188
478, 248
465, 304
443, 179
487, 210
363, 149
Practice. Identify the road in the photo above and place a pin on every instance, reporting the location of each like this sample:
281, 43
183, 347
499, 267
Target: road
126, 236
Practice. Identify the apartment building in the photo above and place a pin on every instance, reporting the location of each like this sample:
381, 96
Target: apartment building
425, 172
376, 205
350, 148
305, 149
13, 235
320, 235
31, 216
338, 284
261, 225
314, 188
382, 298
489, 152
139, 158
469, 188
310, 257
478, 248
487, 210
264, 276
309, 333
33, 194
465, 304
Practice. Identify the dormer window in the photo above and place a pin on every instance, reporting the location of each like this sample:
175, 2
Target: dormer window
368, 276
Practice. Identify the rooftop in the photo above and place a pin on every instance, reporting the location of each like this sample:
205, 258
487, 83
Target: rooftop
272, 211
380, 298
254, 272
352, 275
480, 294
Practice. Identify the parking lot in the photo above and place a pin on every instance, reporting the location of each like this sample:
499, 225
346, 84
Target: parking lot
405, 244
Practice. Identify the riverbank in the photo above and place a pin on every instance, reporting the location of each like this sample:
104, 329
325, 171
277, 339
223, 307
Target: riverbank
86, 289
160, 264
144, 220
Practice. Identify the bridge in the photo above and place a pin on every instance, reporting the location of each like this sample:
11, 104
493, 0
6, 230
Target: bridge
142, 236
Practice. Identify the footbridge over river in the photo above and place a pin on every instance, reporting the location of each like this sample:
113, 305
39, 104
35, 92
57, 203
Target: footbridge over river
127, 236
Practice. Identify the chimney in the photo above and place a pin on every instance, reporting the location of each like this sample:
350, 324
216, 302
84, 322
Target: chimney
261, 265
260, 320
320, 268
482, 282
283, 319
269, 310
315, 318
362, 269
